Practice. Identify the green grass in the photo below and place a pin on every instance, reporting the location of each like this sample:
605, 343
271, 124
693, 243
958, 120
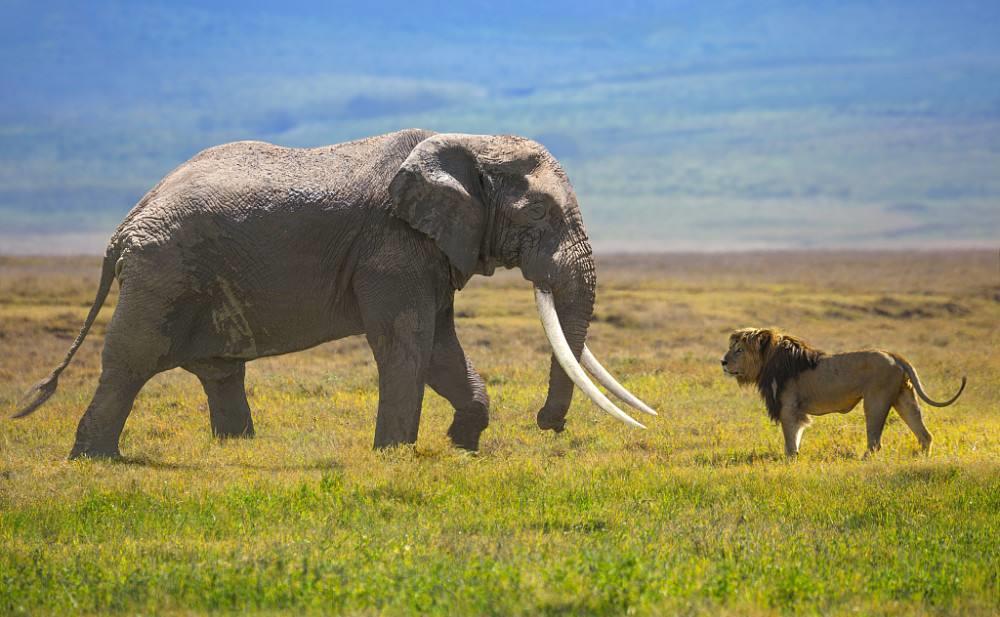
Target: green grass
698, 515
444, 534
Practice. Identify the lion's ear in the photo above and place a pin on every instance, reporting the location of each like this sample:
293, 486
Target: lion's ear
765, 339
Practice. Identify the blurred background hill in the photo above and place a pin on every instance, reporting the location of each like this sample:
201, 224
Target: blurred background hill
683, 125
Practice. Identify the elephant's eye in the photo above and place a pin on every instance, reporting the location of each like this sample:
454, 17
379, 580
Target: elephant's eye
535, 210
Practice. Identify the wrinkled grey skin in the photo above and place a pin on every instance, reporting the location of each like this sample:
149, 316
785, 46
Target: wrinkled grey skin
251, 249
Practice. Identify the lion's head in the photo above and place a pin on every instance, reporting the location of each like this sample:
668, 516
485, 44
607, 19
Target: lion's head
767, 358
745, 357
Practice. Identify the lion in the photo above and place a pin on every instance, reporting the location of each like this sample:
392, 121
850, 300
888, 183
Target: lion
797, 381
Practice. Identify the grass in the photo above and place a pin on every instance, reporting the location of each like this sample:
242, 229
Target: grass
698, 515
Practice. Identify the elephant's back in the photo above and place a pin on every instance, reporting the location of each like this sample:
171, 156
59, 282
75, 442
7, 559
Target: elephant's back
257, 184
247, 167
263, 233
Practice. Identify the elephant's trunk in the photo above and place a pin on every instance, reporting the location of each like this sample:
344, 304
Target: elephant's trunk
566, 312
573, 299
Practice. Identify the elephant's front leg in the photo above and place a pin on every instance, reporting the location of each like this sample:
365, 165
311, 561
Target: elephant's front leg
453, 377
402, 350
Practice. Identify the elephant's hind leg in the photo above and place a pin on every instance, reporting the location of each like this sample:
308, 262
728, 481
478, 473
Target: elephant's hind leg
452, 376
101, 426
132, 345
224, 384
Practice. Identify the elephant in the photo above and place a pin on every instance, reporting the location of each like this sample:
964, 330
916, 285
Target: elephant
250, 249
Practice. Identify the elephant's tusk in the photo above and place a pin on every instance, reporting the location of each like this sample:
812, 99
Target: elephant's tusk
564, 355
608, 380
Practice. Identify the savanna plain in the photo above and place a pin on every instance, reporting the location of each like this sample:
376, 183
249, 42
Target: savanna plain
699, 514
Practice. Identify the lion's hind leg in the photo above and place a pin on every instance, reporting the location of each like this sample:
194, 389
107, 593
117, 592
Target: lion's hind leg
909, 409
876, 413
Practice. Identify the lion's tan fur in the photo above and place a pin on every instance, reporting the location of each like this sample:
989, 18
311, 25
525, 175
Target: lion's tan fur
796, 381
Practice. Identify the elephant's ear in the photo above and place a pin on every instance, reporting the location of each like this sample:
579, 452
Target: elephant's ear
438, 191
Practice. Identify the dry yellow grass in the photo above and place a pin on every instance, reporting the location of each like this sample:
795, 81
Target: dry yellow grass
698, 514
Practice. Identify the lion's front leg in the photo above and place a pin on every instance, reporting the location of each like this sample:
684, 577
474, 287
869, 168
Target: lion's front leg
793, 421
792, 425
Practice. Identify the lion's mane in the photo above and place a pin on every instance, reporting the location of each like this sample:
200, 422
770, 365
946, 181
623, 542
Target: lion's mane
779, 358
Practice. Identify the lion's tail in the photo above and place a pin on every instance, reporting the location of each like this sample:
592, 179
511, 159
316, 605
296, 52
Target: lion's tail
41, 391
912, 374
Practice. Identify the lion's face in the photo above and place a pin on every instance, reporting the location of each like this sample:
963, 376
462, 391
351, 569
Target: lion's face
743, 360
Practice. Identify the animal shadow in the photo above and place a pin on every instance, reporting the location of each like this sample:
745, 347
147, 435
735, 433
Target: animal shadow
738, 458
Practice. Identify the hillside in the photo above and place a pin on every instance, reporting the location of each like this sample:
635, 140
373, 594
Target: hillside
683, 125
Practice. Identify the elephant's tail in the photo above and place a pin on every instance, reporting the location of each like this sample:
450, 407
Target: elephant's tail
41, 391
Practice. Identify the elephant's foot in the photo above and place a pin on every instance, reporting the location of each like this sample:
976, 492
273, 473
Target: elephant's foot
233, 428
98, 450
467, 426
388, 443
239, 434
551, 420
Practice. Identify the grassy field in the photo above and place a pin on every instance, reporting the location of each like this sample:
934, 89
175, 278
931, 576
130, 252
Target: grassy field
699, 514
